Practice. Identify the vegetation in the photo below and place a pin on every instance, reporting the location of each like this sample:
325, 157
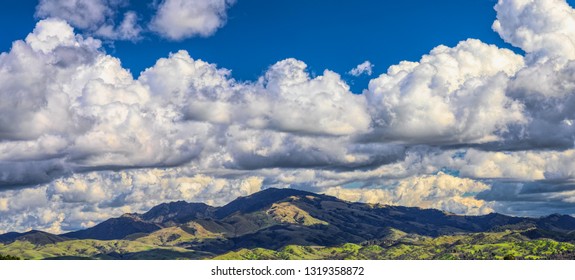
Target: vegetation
97, 249
484, 246
176, 236
8, 257
507, 245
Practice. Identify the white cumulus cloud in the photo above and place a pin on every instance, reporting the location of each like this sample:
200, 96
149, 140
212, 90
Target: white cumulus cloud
94, 16
180, 19
544, 28
453, 95
86, 199
441, 191
364, 68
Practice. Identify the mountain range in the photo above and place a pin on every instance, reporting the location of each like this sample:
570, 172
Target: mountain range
267, 223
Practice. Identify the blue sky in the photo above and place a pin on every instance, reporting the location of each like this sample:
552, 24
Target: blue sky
338, 37
115, 106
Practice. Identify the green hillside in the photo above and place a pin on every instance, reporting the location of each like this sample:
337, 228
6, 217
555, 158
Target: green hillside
398, 246
483, 246
96, 249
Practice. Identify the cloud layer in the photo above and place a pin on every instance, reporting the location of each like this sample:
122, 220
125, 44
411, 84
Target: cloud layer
469, 129
83, 200
440, 191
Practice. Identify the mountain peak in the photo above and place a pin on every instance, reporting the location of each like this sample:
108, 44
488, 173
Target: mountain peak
177, 212
36, 237
566, 222
260, 200
115, 228
279, 194
134, 216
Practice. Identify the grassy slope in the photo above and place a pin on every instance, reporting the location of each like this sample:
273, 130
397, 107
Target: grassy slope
96, 249
398, 246
177, 236
474, 246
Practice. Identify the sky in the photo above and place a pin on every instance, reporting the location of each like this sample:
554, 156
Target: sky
311, 31
115, 106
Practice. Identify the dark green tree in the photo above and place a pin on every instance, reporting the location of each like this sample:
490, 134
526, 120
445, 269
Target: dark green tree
8, 257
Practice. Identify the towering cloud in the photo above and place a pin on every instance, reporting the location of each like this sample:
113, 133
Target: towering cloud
78, 109
452, 96
542, 28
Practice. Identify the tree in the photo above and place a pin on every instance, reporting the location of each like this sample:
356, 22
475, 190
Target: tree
8, 257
